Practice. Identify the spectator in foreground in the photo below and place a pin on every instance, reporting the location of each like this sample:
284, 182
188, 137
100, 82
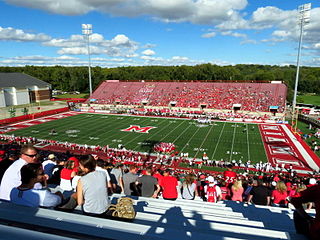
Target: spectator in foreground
149, 184
26, 195
92, 194
169, 186
212, 191
116, 176
129, 181
101, 167
237, 191
260, 194
304, 223
66, 175
189, 187
279, 195
49, 164
12, 177
229, 175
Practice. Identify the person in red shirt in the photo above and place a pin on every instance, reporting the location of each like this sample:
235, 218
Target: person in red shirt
76, 163
279, 195
229, 176
225, 192
157, 174
67, 173
169, 186
304, 223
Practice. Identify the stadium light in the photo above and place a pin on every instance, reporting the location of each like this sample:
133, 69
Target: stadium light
304, 18
87, 31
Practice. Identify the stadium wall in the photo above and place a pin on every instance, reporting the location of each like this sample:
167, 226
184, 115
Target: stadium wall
32, 116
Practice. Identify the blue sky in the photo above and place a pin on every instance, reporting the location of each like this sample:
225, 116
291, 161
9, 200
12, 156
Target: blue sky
156, 32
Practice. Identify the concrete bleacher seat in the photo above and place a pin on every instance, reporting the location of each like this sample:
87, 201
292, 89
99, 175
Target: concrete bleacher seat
161, 219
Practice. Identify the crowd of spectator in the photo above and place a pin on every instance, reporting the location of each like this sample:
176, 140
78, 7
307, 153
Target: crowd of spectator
26, 174
254, 97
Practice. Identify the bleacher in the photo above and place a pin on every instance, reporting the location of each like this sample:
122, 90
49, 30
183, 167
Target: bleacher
254, 97
156, 219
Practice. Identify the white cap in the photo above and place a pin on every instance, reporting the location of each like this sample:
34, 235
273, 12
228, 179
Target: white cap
210, 179
312, 181
274, 183
51, 156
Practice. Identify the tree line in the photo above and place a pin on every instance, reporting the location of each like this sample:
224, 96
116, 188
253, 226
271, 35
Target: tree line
76, 78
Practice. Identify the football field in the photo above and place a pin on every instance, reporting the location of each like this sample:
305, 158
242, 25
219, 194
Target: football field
220, 140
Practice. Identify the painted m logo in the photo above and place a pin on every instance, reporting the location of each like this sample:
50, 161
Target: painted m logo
138, 129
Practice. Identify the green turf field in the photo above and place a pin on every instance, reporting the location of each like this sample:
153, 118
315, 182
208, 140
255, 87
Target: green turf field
220, 140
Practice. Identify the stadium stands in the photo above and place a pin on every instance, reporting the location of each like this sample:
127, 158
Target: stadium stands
253, 97
158, 219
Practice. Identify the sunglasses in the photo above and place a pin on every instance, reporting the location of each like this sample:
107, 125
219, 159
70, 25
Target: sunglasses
31, 155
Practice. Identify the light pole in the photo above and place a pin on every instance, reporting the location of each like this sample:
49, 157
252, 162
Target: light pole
304, 18
87, 31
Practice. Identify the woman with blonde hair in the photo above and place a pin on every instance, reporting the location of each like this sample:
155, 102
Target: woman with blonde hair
280, 194
237, 191
189, 187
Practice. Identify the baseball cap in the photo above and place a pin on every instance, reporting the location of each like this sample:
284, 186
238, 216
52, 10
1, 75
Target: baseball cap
51, 156
210, 179
312, 181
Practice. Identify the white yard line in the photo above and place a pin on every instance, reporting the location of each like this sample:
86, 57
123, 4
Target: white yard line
189, 140
181, 133
301, 149
215, 149
172, 130
234, 134
204, 140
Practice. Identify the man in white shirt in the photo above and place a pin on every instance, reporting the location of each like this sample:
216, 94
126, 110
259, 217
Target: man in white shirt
12, 176
100, 167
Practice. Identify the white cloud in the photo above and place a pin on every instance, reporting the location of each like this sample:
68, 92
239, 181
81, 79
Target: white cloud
148, 52
234, 34
208, 35
195, 11
120, 39
179, 58
149, 45
266, 17
248, 41
11, 34
120, 45
69, 7
80, 50
281, 33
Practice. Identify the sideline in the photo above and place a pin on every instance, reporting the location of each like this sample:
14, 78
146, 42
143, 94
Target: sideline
302, 150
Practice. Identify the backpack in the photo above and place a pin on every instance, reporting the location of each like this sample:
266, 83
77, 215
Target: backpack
211, 194
123, 209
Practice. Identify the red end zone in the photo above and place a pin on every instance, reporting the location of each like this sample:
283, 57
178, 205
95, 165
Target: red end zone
283, 147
